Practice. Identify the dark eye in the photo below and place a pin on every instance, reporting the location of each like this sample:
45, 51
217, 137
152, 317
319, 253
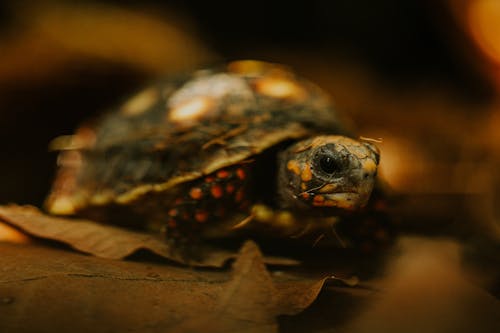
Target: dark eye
329, 164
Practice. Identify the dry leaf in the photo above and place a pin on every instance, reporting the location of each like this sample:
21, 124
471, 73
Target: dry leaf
251, 286
106, 241
47, 290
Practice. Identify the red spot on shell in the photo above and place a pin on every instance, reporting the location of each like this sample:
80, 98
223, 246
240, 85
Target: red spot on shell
241, 174
221, 212
196, 193
222, 174
171, 223
178, 201
173, 212
229, 188
239, 196
209, 179
201, 216
305, 195
216, 191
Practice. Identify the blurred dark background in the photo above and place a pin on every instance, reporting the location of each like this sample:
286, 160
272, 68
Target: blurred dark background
387, 63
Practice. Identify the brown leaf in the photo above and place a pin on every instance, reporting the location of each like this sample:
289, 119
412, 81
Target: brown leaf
106, 241
252, 287
48, 290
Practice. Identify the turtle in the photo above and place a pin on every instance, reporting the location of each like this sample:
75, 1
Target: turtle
247, 145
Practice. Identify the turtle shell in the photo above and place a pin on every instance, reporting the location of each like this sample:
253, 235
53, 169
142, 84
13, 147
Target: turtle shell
184, 128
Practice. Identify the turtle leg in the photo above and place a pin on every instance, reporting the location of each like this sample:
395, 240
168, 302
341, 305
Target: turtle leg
372, 230
368, 231
204, 204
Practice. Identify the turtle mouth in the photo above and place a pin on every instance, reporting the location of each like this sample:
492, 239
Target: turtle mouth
348, 200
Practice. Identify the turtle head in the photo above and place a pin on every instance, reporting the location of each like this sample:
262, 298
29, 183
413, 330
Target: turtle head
327, 172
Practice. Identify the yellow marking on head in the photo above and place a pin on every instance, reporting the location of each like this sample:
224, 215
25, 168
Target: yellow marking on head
330, 203
293, 166
369, 166
141, 102
318, 200
328, 188
306, 174
191, 110
335, 139
279, 87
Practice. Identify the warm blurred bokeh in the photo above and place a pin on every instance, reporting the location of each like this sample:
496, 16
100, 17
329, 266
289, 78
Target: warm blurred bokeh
424, 76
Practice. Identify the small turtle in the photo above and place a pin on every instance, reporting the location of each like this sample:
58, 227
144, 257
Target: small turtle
250, 145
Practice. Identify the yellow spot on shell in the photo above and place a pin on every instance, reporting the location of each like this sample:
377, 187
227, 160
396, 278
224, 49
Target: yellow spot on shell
282, 88
141, 102
62, 206
293, 166
306, 174
191, 110
10, 235
102, 198
248, 67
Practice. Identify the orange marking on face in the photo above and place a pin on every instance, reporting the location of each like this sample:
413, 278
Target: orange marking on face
318, 200
196, 193
229, 188
240, 173
369, 166
306, 174
201, 216
293, 166
173, 212
222, 174
216, 191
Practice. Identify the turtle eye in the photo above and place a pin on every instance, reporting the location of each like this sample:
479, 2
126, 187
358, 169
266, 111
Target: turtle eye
329, 164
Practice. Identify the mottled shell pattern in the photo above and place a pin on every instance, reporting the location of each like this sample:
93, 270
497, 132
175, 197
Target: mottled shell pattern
182, 129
